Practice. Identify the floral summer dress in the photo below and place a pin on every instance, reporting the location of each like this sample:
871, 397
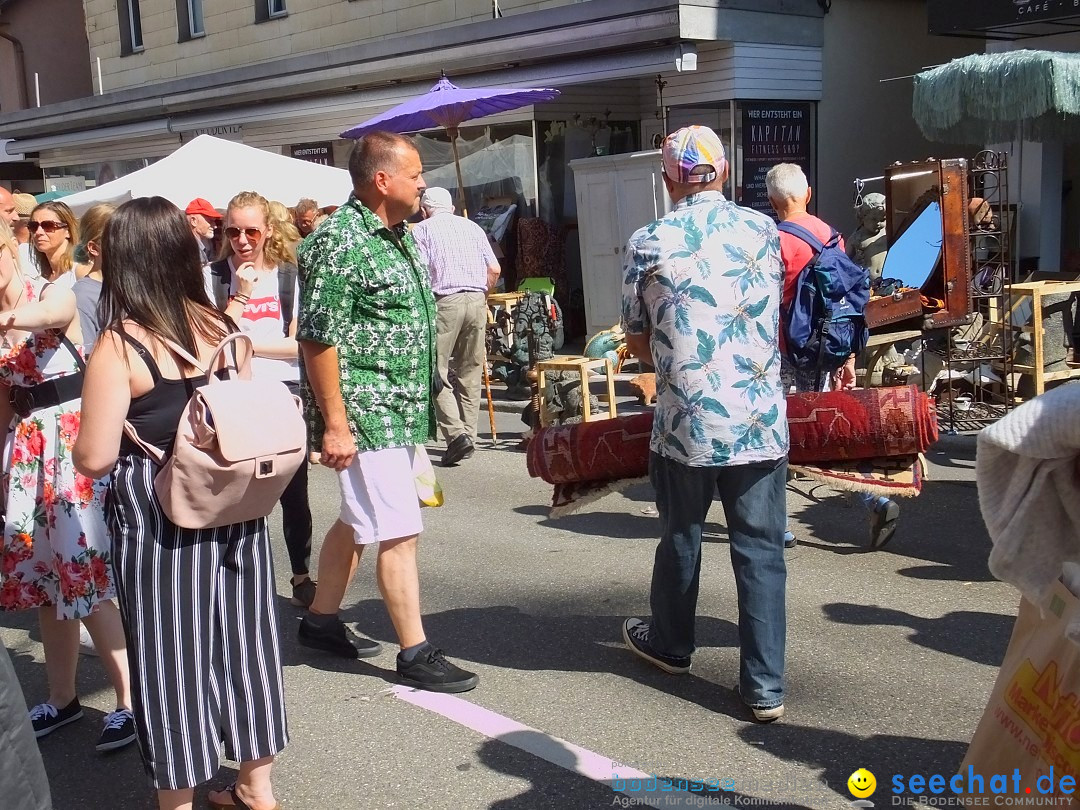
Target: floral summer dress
54, 549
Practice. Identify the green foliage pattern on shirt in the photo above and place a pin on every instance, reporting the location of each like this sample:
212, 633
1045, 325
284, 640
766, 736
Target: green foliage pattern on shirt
365, 291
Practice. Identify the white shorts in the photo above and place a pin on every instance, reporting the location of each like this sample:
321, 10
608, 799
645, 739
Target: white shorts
378, 495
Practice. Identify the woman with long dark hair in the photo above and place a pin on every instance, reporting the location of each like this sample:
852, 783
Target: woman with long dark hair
198, 604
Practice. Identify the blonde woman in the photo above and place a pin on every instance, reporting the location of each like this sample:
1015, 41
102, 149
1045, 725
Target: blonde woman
54, 552
54, 234
88, 288
255, 285
282, 246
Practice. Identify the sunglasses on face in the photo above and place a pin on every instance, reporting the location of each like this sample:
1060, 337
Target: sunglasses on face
253, 234
49, 226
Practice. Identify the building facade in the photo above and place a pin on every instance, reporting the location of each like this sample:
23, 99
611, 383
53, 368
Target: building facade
1044, 176
800, 80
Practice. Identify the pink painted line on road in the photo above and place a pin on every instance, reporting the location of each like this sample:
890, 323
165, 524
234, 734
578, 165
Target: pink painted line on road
552, 749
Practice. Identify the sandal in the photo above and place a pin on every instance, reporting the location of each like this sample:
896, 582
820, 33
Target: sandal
237, 802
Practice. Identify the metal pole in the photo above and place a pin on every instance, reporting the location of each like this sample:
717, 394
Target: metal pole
37, 89
535, 167
453, 131
100, 85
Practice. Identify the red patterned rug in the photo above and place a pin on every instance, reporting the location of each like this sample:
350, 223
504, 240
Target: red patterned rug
863, 440
861, 424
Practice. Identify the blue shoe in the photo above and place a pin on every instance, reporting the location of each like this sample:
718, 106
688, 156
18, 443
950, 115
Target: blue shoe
790, 540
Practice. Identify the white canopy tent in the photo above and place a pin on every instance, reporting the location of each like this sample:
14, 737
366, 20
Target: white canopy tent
217, 170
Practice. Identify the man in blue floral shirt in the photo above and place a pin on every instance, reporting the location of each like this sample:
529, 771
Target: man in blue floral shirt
701, 298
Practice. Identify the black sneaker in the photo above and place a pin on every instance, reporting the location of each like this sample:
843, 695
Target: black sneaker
119, 730
431, 671
883, 522
46, 718
335, 638
635, 633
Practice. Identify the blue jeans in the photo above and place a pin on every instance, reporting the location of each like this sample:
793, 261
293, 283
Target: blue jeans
753, 496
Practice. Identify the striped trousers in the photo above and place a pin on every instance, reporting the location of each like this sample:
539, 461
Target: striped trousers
202, 634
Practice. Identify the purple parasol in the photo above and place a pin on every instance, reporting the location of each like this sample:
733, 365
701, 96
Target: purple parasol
447, 105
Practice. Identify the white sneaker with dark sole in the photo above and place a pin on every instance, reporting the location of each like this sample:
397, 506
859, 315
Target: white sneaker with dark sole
768, 715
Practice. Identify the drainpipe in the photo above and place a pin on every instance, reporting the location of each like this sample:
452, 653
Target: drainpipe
20, 57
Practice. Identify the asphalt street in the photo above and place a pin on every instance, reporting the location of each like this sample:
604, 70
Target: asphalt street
891, 657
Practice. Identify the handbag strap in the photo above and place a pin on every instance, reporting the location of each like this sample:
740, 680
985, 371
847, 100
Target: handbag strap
242, 371
155, 453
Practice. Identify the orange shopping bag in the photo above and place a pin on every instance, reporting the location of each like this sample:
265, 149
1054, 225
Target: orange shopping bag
1032, 722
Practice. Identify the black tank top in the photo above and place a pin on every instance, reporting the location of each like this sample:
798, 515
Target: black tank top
155, 414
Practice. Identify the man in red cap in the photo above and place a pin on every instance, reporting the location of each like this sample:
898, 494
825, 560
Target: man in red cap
203, 219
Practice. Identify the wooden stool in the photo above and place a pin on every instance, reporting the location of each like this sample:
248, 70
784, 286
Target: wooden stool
581, 366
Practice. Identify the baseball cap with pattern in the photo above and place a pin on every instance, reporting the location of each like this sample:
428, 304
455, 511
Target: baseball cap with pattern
693, 155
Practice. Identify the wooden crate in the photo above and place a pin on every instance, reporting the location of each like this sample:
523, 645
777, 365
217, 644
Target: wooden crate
1035, 290
582, 366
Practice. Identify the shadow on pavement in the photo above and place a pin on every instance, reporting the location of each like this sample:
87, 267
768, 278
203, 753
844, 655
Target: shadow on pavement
496, 636
942, 526
545, 763
839, 754
627, 525
974, 635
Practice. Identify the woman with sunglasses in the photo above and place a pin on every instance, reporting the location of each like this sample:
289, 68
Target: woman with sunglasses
198, 604
54, 234
258, 290
54, 553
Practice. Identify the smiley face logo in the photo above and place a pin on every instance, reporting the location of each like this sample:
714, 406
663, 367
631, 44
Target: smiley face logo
862, 784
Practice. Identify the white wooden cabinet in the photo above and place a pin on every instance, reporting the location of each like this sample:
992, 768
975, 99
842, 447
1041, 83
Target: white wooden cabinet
616, 195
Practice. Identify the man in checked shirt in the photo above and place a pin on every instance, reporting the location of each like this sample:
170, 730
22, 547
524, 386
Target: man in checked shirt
463, 269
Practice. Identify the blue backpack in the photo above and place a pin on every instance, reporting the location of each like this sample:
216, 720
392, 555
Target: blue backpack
824, 323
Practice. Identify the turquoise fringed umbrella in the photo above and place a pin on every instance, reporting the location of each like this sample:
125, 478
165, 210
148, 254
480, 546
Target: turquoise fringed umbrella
998, 97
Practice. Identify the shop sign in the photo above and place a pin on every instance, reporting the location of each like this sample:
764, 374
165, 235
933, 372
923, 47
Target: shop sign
772, 132
321, 152
946, 16
69, 184
228, 132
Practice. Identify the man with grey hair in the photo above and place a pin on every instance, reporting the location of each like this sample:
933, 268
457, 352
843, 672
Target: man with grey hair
463, 268
789, 194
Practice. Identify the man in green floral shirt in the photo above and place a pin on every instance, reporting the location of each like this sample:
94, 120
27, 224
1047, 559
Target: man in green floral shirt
366, 328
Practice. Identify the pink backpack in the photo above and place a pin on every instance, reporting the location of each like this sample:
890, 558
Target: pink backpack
238, 443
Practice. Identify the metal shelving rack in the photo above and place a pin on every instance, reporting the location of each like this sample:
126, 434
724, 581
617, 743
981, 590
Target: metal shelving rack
984, 360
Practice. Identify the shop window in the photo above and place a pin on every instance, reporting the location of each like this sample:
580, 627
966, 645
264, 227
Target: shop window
567, 140
269, 10
130, 19
189, 20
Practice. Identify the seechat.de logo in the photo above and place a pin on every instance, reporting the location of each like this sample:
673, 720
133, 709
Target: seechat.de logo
862, 785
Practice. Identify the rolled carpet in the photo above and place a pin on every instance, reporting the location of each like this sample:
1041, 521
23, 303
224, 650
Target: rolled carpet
861, 424
885, 427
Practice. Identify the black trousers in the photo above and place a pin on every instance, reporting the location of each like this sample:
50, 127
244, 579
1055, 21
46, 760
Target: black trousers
200, 618
296, 515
